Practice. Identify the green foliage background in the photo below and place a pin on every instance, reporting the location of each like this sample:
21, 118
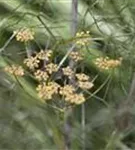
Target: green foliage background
25, 123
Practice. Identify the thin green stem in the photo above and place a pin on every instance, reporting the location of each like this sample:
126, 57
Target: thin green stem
83, 125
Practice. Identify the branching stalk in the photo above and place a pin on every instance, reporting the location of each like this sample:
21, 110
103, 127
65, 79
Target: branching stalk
69, 112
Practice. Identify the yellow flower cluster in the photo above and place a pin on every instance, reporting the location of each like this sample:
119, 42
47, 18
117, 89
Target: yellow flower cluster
82, 38
75, 98
51, 67
41, 75
83, 81
85, 85
68, 91
67, 71
107, 63
15, 70
82, 77
75, 56
32, 62
24, 35
47, 87
44, 55
46, 91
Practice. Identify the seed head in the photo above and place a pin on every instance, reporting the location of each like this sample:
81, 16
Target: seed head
75, 56
16, 70
44, 55
82, 77
82, 38
41, 75
107, 63
46, 91
24, 35
32, 62
51, 67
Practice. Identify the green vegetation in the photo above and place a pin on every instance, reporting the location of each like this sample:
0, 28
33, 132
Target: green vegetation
101, 35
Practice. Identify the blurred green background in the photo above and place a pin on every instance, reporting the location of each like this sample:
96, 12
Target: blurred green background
28, 124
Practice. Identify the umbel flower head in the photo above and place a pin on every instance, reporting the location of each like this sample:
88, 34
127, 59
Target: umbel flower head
51, 67
41, 75
32, 62
44, 55
15, 70
55, 81
107, 63
82, 77
85, 85
46, 91
67, 90
75, 98
82, 38
67, 71
83, 81
24, 35
74, 55
70, 95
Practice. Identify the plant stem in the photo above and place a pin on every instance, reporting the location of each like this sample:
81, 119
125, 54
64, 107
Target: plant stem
74, 14
69, 112
28, 50
83, 126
